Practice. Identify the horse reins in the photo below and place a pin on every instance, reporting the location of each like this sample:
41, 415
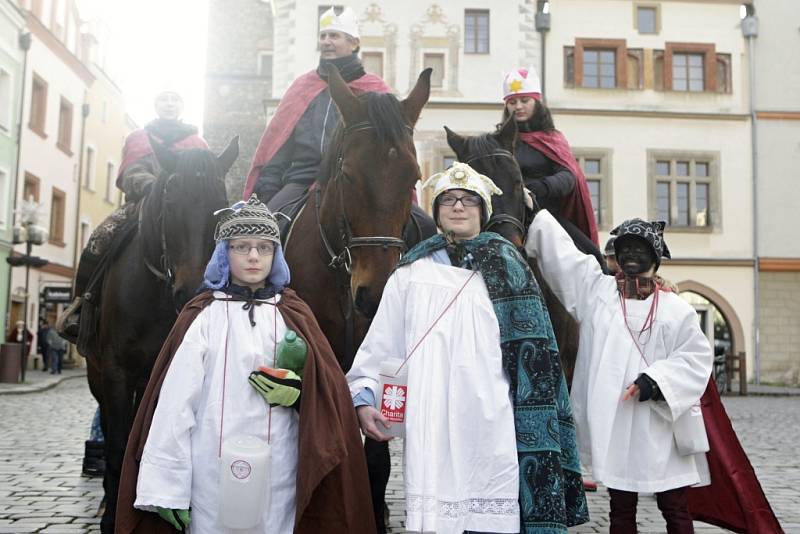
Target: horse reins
341, 263
166, 274
344, 258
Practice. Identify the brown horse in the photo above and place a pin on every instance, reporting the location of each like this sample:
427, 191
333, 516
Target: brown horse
492, 154
348, 238
148, 280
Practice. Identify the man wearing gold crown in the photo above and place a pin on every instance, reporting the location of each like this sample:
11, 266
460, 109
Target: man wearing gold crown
198, 406
489, 437
289, 155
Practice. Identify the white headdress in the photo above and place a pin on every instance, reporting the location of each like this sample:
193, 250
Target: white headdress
345, 22
462, 176
522, 82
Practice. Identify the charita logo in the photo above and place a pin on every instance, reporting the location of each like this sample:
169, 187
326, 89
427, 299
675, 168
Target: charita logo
241, 469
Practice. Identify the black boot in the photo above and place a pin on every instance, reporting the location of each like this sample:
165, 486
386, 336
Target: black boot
94, 459
68, 323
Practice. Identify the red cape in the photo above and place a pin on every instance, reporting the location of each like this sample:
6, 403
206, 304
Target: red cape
734, 500
577, 207
293, 104
137, 146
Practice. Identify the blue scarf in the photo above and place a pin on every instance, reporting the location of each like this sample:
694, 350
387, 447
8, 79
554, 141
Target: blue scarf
551, 495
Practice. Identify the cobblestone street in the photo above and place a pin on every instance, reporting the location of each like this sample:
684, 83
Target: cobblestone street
42, 490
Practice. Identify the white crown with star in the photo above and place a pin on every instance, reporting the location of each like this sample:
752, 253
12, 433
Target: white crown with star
462, 176
344, 22
522, 82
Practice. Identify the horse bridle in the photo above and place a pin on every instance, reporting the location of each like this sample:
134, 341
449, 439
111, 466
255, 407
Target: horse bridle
344, 259
501, 218
166, 273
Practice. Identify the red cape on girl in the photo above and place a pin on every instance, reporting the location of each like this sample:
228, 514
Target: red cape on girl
293, 104
734, 500
577, 207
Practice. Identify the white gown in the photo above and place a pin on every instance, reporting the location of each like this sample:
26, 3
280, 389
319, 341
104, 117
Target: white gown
180, 464
628, 445
461, 470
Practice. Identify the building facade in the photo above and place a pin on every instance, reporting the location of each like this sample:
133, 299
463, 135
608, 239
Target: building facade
238, 80
12, 58
777, 107
106, 127
652, 95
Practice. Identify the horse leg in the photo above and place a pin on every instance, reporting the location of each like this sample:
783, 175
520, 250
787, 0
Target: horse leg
117, 416
379, 465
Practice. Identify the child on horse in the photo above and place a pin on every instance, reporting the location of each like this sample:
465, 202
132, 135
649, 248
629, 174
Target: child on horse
198, 405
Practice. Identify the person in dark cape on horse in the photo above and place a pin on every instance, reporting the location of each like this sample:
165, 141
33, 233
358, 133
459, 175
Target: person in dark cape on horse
649, 419
548, 167
289, 155
137, 172
489, 436
198, 406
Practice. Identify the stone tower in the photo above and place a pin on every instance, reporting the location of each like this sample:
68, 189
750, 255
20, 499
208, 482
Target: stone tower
238, 79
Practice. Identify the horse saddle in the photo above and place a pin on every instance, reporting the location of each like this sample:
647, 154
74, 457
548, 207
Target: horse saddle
89, 324
287, 215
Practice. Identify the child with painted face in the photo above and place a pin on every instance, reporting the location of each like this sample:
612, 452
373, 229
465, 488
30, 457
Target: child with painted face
642, 364
202, 407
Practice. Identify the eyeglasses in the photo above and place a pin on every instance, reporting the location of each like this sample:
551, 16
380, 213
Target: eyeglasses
243, 249
468, 201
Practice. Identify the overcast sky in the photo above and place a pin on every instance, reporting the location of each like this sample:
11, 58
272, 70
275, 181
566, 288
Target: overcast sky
153, 45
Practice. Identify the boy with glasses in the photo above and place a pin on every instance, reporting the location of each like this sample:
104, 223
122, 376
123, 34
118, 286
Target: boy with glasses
198, 399
489, 438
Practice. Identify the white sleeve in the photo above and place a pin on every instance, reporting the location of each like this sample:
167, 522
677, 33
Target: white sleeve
575, 278
165, 472
683, 375
385, 338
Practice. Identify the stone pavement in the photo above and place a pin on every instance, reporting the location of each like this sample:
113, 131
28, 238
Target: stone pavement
41, 447
769, 430
36, 380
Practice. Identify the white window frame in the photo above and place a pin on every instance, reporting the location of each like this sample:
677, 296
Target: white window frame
606, 178
8, 107
89, 169
4, 174
111, 181
714, 200
445, 76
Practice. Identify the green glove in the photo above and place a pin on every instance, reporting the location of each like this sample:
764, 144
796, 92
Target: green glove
177, 518
279, 387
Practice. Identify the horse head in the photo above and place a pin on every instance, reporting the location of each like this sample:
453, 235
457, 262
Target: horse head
371, 169
492, 154
189, 190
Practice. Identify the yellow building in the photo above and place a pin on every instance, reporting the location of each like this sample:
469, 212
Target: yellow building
106, 125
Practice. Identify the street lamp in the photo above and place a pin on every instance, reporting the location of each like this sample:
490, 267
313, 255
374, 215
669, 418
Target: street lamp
29, 232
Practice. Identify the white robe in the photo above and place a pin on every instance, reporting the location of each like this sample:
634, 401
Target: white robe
461, 470
628, 445
180, 464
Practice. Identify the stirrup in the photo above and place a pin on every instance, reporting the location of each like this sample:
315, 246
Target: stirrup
67, 324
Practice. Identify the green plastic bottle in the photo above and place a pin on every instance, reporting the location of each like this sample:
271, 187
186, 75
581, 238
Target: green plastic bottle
292, 352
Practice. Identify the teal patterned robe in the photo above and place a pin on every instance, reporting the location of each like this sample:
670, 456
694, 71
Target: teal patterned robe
551, 492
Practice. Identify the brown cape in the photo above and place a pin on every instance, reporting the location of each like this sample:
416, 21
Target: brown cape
332, 486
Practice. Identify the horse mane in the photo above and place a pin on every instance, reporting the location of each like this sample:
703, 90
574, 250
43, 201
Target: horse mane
483, 145
196, 170
386, 117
